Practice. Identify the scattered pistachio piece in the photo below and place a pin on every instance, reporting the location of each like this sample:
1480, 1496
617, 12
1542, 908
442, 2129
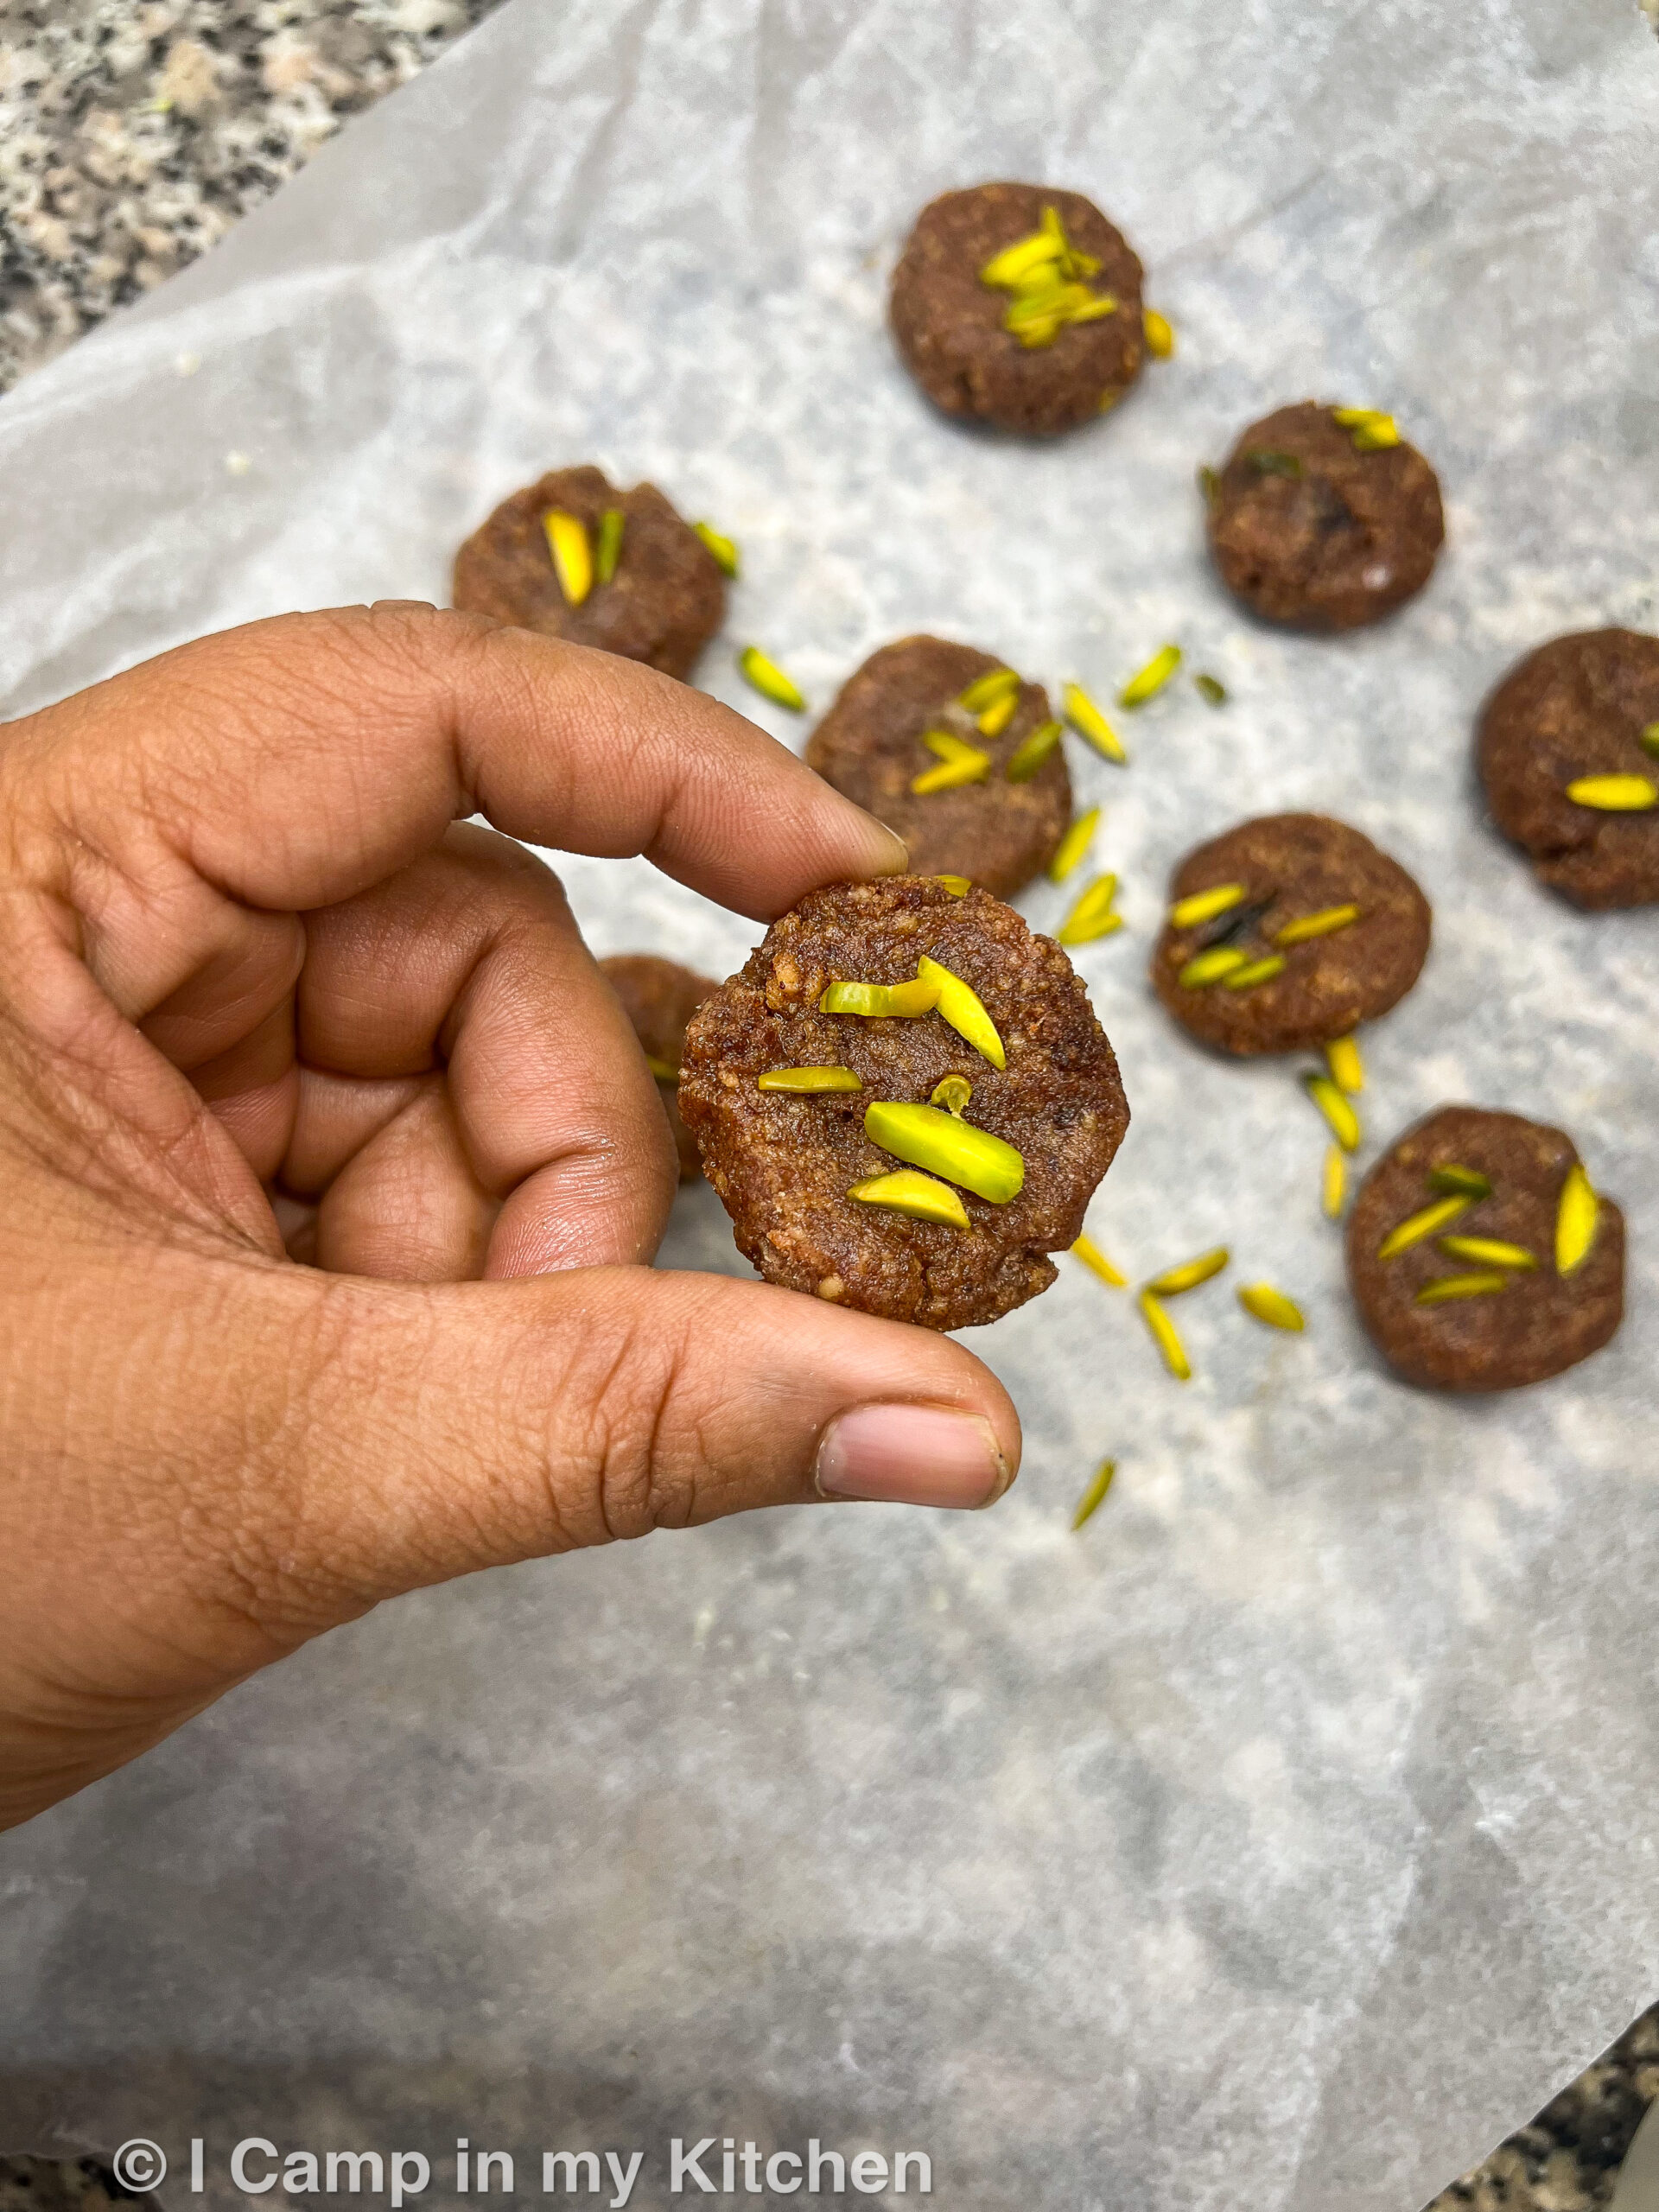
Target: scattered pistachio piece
880, 1002
724, 549
1204, 905
968, 766
1575, 1220
981, 1163
1206, 967
1004, 270
1087, 720
1263, 1303
665, 1071
1165, 1336
997, 716
919, 1196
985, 690
1351, 418
962, 1009
1343, 1121
1161, 339
1257, 971
1209, 484
808, 1079
1092, 914
1072, 847
573, 563
1333, 1184
953, 1094
957, 886
1030, 753
1347, 1068
612, 523
1328, 919
1210, 688
1190, 1273
1376, 437
1444, 1288
1614, 794
945, 744
1091, 1498
1649, 740
1266, 462
1417, 1226
1489, 1251
1096, 1260
1465, 1182
1148, 682
769, 680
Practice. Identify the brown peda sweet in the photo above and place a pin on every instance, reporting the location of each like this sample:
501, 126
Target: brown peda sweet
1583, 705
1287, 869
1528, 1322
665, 602
784, 1164
1308, 527
951, 326
869, 746
659, 997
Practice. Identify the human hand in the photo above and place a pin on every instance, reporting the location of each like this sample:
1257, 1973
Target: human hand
254, 959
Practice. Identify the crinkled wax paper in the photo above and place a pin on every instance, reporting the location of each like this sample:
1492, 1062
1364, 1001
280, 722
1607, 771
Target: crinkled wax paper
1288, 1837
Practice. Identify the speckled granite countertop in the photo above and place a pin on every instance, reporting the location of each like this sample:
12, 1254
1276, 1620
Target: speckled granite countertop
132, 137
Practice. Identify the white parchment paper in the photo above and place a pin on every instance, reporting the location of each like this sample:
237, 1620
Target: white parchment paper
1288, 1837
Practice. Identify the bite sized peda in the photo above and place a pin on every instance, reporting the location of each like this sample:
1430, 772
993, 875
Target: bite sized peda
1516, 1274
663, 602
1569, 755
1043, 1127
1287, 932
871, 745
1314, 523
1077, 342
659, 997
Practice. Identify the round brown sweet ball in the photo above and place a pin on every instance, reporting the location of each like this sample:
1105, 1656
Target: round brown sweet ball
951, 328
784, 1163
998, 834
1524, 1322
659, 997
1309, 527
665, 602
1287, 869
1582, 706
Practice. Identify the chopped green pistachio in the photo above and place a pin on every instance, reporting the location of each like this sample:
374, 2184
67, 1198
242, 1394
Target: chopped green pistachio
1072, 847
1489, 1251
1190, 1273
1147, 682
1161, 339
1444, 1288
612, 523
724, 549
1092, 1497
1096, 1260
951, 1095
962, 1009
572, 562
1328, 919
1166, 1336
939, 1142
769, 680
1343, 1121
1263, 1303
1576, 1216
1030, 753
880, 1002
1206, 967
1254, 972
1087, 720
808, 1079
1204, 905
985, 690
919, 1196
1614, 794
1419, 1226
1210, 688
1347, 1068
1460, 1182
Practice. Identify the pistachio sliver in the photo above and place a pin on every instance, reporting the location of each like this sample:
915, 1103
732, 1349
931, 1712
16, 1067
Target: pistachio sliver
880, 1002
1263, 1303
919, 1196
1489, 1252
769, 680
997, 716
1147, 682
1204, 905
1649, 738
951, 1095
1453, 1181
572, 560
1418, 1226
1347, 1068
1324, 924
985, 690
962, 1009
1209, 484
1206, 967
1161, 339
665, 1071
1210, 689
1376, 437
1614, 794
1091, 1498
1340, 1117
808, 1079
1166, 1336
1189, 1274
1096, 1260
954, 775
957, 886
1351, 418
1004, 270
1072, 847
945, 744
1092, 914
1333, 1182
1087, 720
724, 549
1254, 972
1576, 1215
1444, 1288
944, 1146
1030, 753
608, 552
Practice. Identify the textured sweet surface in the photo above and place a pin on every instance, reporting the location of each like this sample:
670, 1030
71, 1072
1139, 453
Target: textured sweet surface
783, 1166
1308, 529
1290, 867
1577, 707
997, 834
950, 325
661, 606
659, 997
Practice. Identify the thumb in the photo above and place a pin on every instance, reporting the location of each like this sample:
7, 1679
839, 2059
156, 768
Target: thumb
454, 1427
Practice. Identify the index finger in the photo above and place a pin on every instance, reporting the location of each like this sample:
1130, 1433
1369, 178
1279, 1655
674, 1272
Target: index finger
295, 761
